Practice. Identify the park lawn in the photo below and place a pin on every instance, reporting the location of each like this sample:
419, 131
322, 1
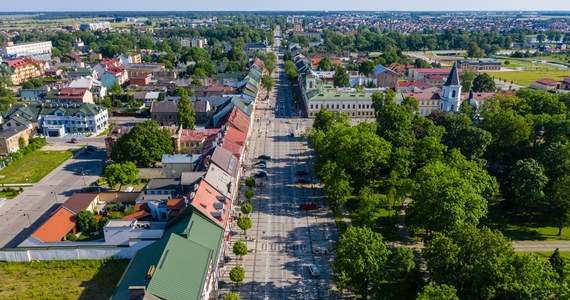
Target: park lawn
33, 166
524, 78
522, 228
60, 279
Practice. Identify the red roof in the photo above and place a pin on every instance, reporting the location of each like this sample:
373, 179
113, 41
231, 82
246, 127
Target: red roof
137, 215
237, 119
68, 92
546, 81
417, 83
211, 203
423, 96
115, 71
233, 147
235, 135
188, 135
56, 227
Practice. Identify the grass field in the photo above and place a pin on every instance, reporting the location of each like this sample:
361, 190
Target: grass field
69, 279
33, 167
522, 228
524, 78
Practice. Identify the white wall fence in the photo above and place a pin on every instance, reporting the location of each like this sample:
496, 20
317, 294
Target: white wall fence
70, 253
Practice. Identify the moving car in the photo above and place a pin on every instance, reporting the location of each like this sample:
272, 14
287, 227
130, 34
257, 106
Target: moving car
302, 173
307, 206
73, 141
314, 270
260, 174
302, 181
264, 156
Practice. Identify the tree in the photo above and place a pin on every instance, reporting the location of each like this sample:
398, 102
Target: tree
121, 174
250, 182
240, 249
558, 264
420, 63
360, 260
560, 203
244, 223
443, 198
231, 296
116, 90
337, 184
247, 208
481, 264
324, 119
508, 130
186, 113
291, 70
144, 145
440, 292
484, 83
87, 221
267, 82
460, 133
168, 64
249, 194
237, 274
369, 205
467, 77
525, 185
473, 50
340, 77
325, 64
366, 68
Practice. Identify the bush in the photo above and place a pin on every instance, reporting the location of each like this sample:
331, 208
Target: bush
71, 236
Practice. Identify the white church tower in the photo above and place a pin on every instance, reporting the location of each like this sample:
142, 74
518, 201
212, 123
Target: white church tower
451, 94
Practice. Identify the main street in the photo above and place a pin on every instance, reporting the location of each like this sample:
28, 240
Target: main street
285, 239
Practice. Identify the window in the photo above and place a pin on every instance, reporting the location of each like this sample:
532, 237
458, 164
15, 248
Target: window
453, 95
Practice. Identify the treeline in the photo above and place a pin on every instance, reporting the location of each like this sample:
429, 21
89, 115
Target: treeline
452, 168
370, 39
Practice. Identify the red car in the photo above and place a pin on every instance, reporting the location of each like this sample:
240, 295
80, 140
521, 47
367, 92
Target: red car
302, 181
73, 140
307, 206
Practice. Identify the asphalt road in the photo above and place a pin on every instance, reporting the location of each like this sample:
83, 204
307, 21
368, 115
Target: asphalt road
286, 239
22, 215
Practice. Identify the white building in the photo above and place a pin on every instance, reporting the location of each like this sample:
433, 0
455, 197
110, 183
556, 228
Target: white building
194, 43
95, 26
94, 85
451, 92
58, 119
38, 50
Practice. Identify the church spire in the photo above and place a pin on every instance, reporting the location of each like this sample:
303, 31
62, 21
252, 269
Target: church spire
453, 78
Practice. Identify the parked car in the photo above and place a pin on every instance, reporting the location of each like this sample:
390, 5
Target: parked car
261, 166
264, 156
307, 206
260, 174
302, 173
314, 270
73, 141
301, 181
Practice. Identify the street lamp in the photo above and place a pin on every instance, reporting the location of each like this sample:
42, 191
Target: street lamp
83, 175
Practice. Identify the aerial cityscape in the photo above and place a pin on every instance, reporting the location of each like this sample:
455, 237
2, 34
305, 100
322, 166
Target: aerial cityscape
285, 150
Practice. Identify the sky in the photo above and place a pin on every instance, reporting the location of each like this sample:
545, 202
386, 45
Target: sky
264, 5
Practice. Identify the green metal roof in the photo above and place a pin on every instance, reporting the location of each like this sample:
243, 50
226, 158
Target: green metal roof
182, 270
87, 109
138, 267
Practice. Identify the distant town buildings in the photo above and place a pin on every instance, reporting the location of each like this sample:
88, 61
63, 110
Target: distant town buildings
95, 26
39, 50
194, 43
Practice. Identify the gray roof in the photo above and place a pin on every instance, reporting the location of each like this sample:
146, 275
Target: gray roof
11, 132
225, 160
163, 184
378, 69
188, 178
179, 158
453, 78
164, 107
87, 109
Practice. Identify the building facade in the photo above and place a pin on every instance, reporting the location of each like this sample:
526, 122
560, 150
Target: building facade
58, 119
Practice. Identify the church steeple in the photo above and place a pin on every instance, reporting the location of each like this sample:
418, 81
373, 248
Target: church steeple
453, 78
451, 91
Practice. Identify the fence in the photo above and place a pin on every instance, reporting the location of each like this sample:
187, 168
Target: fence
71, 253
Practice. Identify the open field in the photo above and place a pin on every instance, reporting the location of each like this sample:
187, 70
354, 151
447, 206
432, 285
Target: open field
68, 279
524, 78
34, 166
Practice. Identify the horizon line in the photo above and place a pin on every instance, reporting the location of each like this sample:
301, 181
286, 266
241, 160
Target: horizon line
277, 10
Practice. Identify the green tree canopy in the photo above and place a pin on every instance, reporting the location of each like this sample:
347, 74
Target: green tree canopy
186, 113
366, 68
360, 260
239, 249
121, 174
237, 274
325, 64
231, 296
267, 82
560, 203
340, 77
247, 208
558, 264
484, 83
525, 186
440, 292
87, 221
244, 223
144, 145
